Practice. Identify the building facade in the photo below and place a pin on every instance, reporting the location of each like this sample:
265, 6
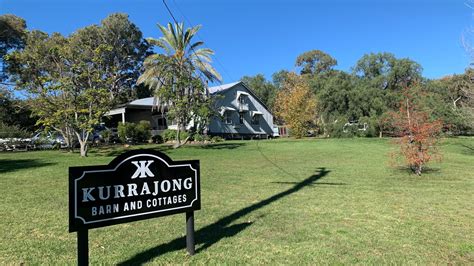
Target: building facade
239, 114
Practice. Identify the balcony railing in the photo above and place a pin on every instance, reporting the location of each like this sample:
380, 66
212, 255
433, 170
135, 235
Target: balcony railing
243, 107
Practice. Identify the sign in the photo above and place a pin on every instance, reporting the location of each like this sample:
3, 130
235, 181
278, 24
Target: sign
136, 185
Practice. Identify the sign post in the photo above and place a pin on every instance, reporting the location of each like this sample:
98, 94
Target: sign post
83, 247
136, 185
190, 232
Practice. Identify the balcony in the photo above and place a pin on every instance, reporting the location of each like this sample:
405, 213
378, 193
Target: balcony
243, 107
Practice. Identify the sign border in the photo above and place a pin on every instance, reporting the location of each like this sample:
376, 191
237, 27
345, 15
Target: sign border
77, 173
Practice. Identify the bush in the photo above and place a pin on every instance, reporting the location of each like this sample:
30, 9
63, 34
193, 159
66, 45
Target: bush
134, 132
142, 131
126, 131
216, 139
158, 139
336, 129
200, 138
170, 135
7, 131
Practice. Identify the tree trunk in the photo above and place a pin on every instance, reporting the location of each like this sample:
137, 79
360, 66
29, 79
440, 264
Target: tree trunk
178, 137
380, 134
83, 148
83, 142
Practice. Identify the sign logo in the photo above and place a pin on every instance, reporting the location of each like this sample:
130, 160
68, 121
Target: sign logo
142, 169
136, 185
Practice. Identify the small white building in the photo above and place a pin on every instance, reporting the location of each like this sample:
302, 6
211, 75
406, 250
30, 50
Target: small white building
240, 113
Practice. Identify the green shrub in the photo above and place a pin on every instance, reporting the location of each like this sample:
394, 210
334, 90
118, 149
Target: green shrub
170, 135
336, 129
7, 131
216, 139
158, 139
134, 132
198, 137
106, 135
126, 131
371, 130
142, 131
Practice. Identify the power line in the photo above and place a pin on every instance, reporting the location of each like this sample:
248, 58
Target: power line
202, 39
192, 49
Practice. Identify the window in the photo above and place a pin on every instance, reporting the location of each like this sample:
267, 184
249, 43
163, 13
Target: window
227, 117
242, 99
255, 119
241, 118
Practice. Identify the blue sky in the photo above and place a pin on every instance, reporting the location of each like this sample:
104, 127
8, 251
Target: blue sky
251, 37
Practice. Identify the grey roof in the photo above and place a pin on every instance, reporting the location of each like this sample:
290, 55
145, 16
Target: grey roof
149, 101
142, 102
222, 87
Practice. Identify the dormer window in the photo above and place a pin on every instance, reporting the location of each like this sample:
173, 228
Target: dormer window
226, 113
256, 117
241, 97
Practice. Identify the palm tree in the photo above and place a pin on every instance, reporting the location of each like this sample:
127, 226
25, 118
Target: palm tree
172, 75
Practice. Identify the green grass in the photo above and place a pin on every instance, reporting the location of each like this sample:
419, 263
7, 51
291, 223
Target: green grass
284, 201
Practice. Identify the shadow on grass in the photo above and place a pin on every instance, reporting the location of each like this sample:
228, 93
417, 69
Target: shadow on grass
468, 150
7, 165
219, 146
314, 184
426, 170
113, 151
213, 233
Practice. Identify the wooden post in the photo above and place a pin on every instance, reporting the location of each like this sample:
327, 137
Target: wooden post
190, 232
83, 247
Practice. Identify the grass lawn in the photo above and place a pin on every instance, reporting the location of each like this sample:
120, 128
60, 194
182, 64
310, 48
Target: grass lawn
281, 201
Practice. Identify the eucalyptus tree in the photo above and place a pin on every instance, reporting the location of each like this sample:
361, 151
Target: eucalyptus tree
178, 75
315, 62
385, 71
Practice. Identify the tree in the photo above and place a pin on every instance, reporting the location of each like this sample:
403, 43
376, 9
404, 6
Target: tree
15, 112
315, 62
418, 134
279, 77
67, 91
12, 36
175, 75
296, 105
262, 88
74, 80
385, 71
122, 52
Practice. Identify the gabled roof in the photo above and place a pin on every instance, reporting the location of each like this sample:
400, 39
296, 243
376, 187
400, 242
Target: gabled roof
149, 101
222, 87
143, 102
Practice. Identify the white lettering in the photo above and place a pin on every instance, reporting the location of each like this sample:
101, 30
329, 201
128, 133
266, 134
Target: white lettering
132, 190
119, 191
167, 184
87, 194
177, 184
101, 193
145, 189
188, 183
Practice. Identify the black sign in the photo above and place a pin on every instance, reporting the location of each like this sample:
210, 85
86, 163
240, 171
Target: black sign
136, 185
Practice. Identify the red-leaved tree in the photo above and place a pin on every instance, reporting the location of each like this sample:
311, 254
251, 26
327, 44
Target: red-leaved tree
418, 134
